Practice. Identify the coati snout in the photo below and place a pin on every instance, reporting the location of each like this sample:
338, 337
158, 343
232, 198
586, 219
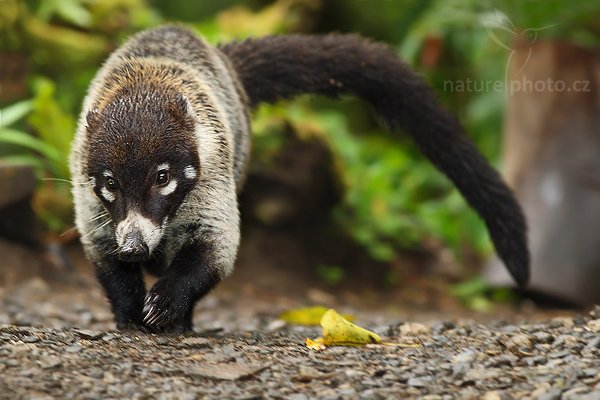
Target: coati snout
162, 149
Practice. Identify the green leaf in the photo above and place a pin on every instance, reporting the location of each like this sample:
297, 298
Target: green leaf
470, 288
13, 136
14, 112
25, 159
54, 126
71, 11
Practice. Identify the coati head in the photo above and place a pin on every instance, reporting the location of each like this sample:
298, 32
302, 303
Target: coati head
143, 161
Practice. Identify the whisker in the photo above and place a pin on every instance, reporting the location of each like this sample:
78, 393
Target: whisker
57, 180
68, 231
98, 216
102, 225
94, 218
68, 181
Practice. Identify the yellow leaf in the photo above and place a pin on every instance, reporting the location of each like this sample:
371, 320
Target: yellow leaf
307, 315
316, 344
338, 331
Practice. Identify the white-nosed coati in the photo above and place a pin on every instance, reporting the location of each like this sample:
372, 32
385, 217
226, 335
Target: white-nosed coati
162, 147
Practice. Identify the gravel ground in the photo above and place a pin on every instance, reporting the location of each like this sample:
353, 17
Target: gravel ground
557, 359
57, 340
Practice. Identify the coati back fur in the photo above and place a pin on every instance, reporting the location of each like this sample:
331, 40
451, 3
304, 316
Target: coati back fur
162, 147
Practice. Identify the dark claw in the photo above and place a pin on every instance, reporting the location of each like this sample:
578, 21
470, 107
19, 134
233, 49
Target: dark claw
158, 311
151, 310
147, 307
167, 308
154, 318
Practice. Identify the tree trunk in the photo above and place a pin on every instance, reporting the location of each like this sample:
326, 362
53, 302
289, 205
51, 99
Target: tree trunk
552, 160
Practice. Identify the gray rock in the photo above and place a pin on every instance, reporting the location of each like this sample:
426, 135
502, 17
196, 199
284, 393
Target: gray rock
480, 374
553, 394
542, 337
536, 360
519, 341
31, 339
89, 334
594, 325
298, 396
467, 356
49, 362
594, 343
73, 348
422, 381
504, 359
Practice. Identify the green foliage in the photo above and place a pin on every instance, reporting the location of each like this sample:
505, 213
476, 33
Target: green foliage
53, 127
46, 150
478, 295
568, 20
331, 274
240, 22
393, 198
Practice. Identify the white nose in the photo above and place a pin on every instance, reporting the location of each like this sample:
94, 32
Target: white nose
134, 249
137, 235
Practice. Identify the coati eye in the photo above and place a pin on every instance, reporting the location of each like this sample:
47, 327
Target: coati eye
111, 184
162, 178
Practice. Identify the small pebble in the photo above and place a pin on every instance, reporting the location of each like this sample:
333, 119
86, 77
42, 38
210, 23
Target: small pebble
306, 373
553, 394
31, 339
494, 395
519, 341
414, 329
466, 356
49, 362
594, 343
542, 337
422, 381
594, 325
89, 334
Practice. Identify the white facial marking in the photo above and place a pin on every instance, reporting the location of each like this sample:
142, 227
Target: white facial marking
107, 174
190, 172
170, 188
163, 166
151, 232
110, 197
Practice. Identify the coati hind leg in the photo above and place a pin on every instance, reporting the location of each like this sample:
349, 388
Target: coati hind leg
169, 303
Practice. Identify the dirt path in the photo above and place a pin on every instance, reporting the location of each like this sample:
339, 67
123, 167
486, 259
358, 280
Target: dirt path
57, 341
552, 360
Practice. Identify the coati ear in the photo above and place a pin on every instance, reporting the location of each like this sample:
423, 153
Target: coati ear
181, 108
92, 118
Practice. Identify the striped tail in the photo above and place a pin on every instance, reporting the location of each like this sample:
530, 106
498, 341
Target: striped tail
280, 67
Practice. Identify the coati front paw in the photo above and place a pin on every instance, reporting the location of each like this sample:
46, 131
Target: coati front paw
166, 309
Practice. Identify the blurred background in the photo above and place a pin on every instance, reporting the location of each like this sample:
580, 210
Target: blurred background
335, 206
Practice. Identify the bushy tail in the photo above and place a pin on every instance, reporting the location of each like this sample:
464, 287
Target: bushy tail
280, 67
